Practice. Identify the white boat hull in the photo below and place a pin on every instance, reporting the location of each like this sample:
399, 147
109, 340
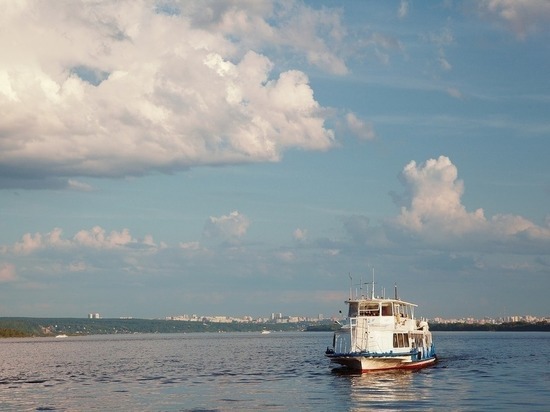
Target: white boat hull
372, 364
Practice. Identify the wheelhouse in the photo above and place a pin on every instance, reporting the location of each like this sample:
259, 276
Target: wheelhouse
385, 307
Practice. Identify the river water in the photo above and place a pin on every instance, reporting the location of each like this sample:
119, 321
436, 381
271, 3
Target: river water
281, 371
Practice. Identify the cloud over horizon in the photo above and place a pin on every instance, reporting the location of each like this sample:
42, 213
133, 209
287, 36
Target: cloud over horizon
431, 212
434, 211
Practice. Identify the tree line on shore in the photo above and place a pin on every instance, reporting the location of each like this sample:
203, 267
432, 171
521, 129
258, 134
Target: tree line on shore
22, 327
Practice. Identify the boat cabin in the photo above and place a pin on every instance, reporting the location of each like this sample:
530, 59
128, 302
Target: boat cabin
380, 334
385, 307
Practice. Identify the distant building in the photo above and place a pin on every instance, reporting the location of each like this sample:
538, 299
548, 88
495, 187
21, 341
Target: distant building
276, 316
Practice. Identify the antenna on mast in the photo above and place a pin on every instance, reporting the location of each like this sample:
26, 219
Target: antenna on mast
395, 291
372, 296
350, 286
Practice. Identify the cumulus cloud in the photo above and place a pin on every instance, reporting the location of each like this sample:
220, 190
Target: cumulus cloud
433, 210
434, 193
95, 238
228, 227
98, 238
523, 17
115, 89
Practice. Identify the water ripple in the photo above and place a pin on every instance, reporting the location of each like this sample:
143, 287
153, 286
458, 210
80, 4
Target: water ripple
246, 372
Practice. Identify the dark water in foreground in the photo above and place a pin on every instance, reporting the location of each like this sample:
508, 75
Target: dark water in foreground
276, 372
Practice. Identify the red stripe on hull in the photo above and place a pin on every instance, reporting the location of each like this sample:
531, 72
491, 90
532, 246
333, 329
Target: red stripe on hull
382, 364
404, 366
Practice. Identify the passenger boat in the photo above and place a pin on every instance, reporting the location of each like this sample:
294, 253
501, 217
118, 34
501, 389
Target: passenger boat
382, 334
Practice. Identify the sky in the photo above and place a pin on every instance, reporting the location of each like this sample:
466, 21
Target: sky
241, 158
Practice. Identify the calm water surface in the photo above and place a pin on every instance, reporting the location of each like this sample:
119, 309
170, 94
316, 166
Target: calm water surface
275, 372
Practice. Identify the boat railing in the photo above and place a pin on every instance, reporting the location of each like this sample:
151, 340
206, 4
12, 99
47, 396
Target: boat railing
342, 343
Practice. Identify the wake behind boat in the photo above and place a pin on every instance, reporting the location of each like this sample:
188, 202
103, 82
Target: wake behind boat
382, 334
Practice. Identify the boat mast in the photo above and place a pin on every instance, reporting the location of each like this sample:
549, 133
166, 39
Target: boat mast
372, 295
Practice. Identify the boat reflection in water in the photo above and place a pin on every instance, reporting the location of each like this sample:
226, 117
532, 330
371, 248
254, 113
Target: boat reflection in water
393, 390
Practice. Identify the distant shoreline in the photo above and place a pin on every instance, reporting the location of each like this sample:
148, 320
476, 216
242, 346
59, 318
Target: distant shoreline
488, 327
465, 327
44, 327
48, 327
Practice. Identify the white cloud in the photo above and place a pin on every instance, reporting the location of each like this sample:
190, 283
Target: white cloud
434, 195
28, 244
98, 238
7, 272
228, 227
524, 17
317, 33
95, 238
117, 88
434, 212
360, 129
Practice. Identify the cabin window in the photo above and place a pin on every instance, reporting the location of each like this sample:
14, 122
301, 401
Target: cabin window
403, 311
369, 309
386, 309
353, 309
400, 340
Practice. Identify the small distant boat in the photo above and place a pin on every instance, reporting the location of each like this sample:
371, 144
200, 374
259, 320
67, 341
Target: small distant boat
382, 334
61, 336
266, 332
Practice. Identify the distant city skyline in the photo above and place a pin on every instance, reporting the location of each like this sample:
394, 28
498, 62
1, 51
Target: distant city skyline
235, 157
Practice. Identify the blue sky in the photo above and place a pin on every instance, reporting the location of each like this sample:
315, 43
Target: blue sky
242, 158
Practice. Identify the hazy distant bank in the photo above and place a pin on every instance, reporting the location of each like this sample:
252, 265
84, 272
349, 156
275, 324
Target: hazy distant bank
23, 327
